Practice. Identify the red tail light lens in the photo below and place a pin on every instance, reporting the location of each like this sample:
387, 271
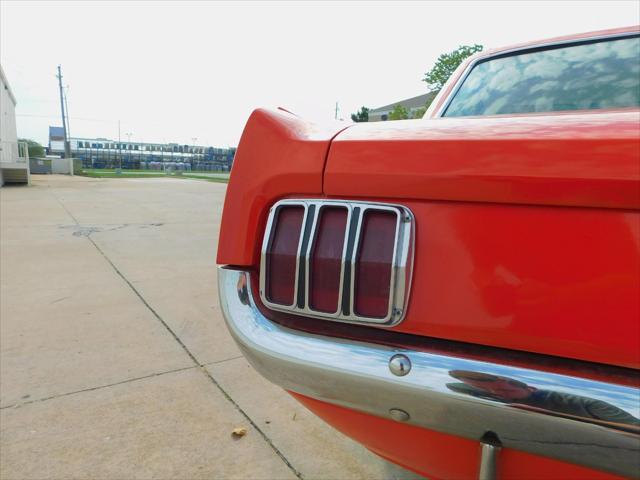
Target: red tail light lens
326, 259
282, 255
340, 260
374, 264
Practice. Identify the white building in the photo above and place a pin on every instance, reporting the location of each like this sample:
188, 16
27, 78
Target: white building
14, 157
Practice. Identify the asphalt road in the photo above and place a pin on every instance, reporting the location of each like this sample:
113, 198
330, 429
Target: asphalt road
114, 358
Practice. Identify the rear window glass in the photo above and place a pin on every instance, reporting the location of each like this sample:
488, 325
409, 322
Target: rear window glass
604, 74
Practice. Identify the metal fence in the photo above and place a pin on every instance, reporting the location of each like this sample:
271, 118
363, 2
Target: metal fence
133, 163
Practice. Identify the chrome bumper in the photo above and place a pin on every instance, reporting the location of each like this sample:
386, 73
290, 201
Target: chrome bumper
357, 375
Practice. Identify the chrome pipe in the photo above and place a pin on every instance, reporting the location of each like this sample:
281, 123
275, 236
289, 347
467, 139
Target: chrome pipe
488, 461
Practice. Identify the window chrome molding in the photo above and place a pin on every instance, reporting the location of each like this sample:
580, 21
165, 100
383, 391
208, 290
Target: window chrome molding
401, 262
520, 50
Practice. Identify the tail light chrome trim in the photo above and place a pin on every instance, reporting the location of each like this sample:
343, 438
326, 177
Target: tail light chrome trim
401, 264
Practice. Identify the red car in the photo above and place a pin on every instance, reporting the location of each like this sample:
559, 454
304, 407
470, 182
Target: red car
460, 293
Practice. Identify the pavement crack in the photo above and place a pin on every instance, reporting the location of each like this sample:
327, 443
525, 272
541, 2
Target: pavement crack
264, 436
80, 230
217, 362
59, 300
198, 364
145, 303
64, 207
91, 389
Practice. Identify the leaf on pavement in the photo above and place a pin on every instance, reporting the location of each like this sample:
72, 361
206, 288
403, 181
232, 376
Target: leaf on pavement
239, 432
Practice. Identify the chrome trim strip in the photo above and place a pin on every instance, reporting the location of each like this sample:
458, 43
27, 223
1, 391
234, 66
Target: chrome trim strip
356, 375
352, 260
345, 246
312, 240
402, 260
311, 224
514, 51
351, 243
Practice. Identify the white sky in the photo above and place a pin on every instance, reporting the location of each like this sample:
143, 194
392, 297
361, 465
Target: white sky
173, 71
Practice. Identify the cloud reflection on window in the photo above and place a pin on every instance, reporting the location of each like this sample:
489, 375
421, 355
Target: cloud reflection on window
579, 77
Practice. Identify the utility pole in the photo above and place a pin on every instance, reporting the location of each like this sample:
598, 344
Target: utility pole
67, 152
336, 114
66, 109
68, 143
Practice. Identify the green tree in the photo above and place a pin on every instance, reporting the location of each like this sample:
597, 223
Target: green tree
419, 113
399, 113
34, 148
446, 64
361, 115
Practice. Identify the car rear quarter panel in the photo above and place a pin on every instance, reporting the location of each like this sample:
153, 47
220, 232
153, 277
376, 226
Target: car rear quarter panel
527, 229
278, 154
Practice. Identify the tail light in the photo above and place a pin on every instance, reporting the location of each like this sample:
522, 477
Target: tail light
374, 257
282, 256
326, 259
339, 260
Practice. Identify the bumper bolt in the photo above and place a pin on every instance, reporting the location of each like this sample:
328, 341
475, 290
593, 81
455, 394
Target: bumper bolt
400, 365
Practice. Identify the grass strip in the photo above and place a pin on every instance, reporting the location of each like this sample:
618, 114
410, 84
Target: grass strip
112, 174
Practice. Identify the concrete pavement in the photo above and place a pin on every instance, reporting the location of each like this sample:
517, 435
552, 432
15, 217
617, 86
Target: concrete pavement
114, 358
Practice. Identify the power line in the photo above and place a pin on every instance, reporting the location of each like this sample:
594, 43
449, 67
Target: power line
35, 115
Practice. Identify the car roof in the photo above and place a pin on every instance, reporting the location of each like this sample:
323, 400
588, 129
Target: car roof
564, 38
